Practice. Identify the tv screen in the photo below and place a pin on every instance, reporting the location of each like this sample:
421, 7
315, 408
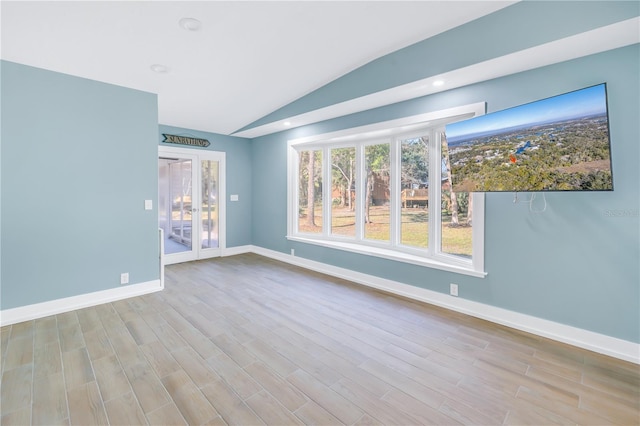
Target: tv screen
555, 144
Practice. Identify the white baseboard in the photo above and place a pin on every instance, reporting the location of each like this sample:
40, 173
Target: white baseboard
52, 307
607, 345
232, 251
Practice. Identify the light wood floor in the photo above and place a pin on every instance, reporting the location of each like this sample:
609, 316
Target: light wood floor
246, 340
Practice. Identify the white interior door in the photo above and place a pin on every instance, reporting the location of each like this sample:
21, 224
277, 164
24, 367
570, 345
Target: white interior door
191, 203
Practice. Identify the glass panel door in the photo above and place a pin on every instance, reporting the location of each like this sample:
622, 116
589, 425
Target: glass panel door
175, 204
209, 211
191, 203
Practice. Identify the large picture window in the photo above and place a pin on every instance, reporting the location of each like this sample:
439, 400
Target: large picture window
385, 190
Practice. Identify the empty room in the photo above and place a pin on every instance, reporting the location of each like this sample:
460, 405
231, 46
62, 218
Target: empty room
320, 212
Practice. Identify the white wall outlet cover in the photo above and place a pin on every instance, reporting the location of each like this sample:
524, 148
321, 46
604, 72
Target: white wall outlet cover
453, 289
148, 204
234, 197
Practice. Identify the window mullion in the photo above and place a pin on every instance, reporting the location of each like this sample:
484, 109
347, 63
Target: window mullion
326, 192
360, 191
394, 185
435, 192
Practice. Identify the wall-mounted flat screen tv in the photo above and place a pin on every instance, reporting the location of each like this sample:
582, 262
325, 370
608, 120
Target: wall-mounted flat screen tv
556, 144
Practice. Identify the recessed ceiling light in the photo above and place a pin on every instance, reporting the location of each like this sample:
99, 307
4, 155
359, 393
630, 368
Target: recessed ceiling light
438, 83
159, 68
190, 24
287, 123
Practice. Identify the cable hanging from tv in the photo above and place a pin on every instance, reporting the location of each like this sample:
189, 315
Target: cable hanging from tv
530, 201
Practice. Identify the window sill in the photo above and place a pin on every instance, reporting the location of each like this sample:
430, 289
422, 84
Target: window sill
459, 268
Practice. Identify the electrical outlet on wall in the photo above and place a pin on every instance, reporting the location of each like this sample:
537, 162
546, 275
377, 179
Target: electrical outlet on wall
124, 278
453, 289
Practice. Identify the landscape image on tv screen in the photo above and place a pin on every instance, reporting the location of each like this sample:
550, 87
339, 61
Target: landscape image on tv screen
555, 144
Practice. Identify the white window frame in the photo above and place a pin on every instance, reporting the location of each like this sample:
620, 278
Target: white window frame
431, 124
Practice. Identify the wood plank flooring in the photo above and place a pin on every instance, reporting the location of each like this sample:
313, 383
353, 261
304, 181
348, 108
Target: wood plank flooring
246, 340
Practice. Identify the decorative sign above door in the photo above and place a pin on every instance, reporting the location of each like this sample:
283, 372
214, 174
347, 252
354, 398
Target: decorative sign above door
185, 140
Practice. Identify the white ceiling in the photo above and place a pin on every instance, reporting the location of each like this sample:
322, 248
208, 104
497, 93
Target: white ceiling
247, 60
252, 57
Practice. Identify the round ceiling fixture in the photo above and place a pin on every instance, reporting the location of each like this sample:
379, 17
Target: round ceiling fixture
190, 24
159, 68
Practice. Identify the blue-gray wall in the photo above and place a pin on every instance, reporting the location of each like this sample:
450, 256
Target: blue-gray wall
79, 158
238, 179
576, 263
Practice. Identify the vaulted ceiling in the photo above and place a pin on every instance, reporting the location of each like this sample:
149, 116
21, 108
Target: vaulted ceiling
246, 60
232, 66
